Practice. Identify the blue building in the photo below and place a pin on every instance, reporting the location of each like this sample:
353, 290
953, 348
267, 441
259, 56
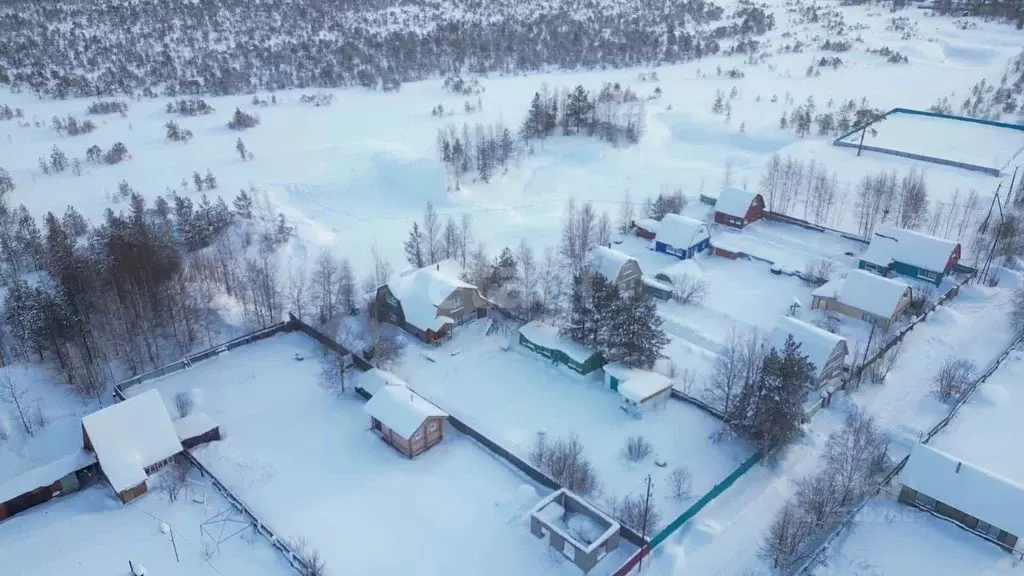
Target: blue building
682, 237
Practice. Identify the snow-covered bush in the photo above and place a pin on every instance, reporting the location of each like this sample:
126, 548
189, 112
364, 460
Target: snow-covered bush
636, 513
565, 462
184, 403
680, 482
953, 379
242, 120
637, 448
687, 289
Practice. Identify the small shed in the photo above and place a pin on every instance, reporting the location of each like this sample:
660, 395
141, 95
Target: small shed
825, 350
911, 254
41, 484
195, 429
646, 228
657, 288
641, 390
574, 528
682, 237
374, 379
709, 198
617, 268
131, 440
405, 420
737, 208
543, 339
974, 498
678, 273
865, 296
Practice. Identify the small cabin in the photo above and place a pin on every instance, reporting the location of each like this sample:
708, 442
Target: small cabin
196, 429
908, 253
865, 296
646, 228
640, 390
825, 350
41, 484
617, 268
682, 237
737, 208
406, 421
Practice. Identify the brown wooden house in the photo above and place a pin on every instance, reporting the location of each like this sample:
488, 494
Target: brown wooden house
429, 301
737, 208
405, 420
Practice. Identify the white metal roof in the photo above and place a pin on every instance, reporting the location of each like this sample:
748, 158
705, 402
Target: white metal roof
734, 202
608, 261
682, 231
637, 385
130, 435
815, 343
968, 488
872, 293
547, 336
891, 244
374, 379
401, 409
422, 290
195, 424
45, 475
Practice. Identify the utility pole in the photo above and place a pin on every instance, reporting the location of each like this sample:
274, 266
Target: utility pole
995, 240
862, 133
860, 374
1009, 191
643, 525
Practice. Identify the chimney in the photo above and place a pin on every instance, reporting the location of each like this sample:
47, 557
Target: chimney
958, 465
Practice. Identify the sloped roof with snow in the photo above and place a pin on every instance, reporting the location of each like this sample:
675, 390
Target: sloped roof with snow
734, 202
422, 290
637, 385
401, 409
682, 231
608, 262
872, 293
966, 487
891, 244
374, 379
45, 475
130, 435
649, 224
815, 343
677, 271
195, 424
547, 336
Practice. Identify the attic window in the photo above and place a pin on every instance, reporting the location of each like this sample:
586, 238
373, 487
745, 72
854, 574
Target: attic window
958, 465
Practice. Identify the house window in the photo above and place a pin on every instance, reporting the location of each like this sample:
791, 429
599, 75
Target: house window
390, 298
927, 275
432, 427
417, 435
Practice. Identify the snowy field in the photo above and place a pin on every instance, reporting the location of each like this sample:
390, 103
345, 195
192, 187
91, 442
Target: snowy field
308, 464
510, 395
92, 533
989, 146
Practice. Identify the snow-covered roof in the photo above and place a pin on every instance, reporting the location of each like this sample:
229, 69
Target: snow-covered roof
734, 202
547, 336
637, 385
966, 487
195, 424
401, 409
422, 290
682, 231
676, 271
374, 379
45, 475
871, 293
814, 342
891, 244
649, 224
829, 289
608, 261
130, 435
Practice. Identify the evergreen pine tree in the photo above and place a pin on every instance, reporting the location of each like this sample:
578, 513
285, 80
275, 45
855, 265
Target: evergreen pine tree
209, 181
769, 410
240, 148
6, 182
243, 205
635, 335
198, 181
414, 247
532, 126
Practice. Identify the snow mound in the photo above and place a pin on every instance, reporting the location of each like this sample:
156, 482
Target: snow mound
699, 535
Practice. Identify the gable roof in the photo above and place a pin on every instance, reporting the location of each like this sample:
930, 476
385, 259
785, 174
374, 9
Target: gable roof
734, 202
547, 336
891, 244
422, 290
966, 487
871, 293
130, 435
682, 231
649, 224
401, 409
814, 342
608, 262
374, 379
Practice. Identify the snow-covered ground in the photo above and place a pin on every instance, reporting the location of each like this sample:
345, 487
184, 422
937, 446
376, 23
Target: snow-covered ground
92, 533
308, 464
510, 395
990, 146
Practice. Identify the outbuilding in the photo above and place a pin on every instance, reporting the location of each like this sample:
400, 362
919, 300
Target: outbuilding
682, 236
544, 340
41, 484
574, 528
737, 208
874, 299
131, 439
911, 254
976, 499
617, 268
429, 301
825, 350
195, 429
641, 390
405, 420
646, 228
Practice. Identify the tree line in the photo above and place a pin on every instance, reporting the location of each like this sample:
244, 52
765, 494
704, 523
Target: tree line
613, 114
